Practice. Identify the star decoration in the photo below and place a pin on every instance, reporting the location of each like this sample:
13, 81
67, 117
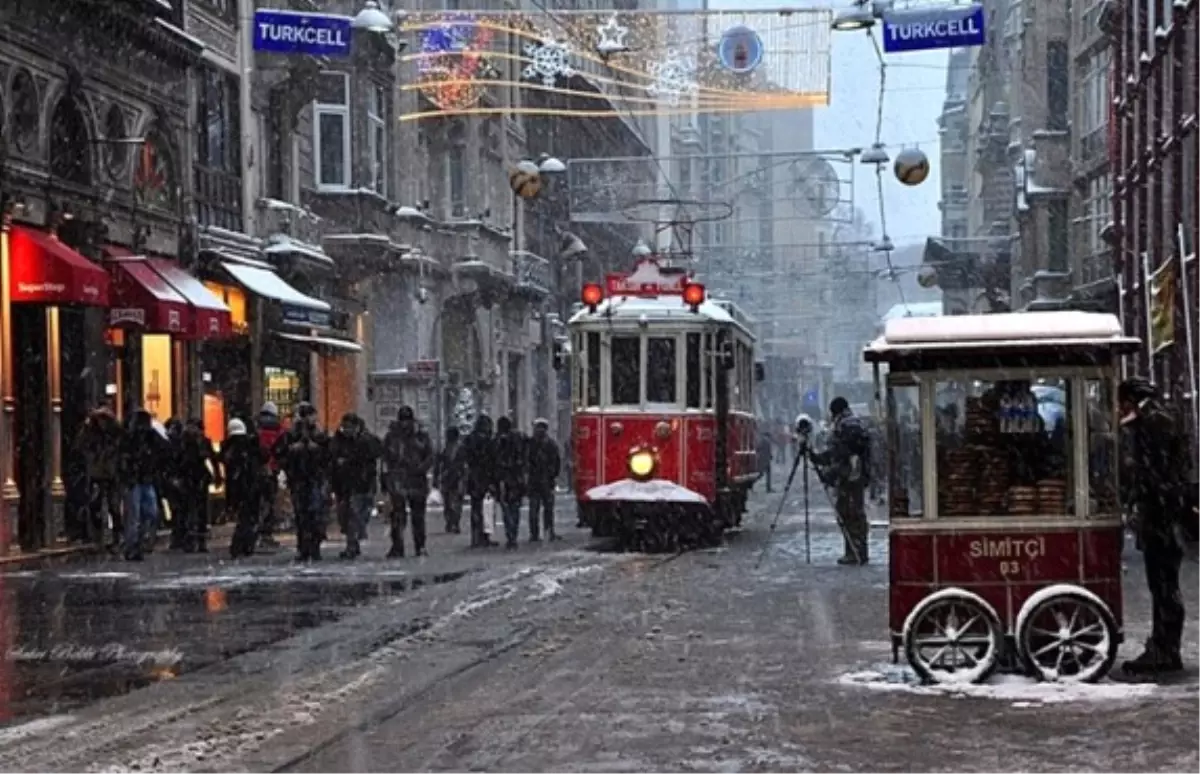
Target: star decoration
612, 37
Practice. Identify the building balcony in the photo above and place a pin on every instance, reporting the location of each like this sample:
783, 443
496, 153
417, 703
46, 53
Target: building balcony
1091, 154
534, 275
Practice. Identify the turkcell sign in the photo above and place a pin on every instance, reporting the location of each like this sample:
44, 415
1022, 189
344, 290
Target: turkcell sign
296, 32
925, 29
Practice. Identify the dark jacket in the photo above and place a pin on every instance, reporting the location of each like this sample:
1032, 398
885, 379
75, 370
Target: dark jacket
99, 444
354, 460
511, 465
479, 457
197, 463
145, 455
407, 460
241, 462
762, 451
545, 463
1159, 456
450, 468
848, 440
303, 455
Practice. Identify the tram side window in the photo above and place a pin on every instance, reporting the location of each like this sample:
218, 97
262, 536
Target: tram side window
693, 378
592, 374
625, 382
660, 370
710, 386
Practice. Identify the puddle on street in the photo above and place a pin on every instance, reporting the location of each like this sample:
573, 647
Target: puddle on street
70, 641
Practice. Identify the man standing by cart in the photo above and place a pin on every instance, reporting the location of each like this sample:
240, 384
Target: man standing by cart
1158, 453
845, 466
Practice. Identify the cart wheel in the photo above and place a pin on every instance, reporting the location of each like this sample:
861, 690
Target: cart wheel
1068, 637
953, 636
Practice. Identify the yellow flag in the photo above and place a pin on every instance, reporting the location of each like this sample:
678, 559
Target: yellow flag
1162, 307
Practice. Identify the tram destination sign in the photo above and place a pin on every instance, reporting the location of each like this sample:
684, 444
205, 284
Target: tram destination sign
925, 29
647, 279
298, 32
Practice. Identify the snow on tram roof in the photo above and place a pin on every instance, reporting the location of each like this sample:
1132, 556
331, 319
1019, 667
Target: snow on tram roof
664, 307
999, 330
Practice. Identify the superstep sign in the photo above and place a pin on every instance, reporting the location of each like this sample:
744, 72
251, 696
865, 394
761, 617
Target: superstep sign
297, 32
924, 29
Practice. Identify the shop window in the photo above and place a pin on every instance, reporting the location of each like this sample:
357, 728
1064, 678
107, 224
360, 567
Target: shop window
282, 387
331, 130
156, 375
625, 378
70, 149
660, 370
377, 138
218, 177
906, 489
235, 299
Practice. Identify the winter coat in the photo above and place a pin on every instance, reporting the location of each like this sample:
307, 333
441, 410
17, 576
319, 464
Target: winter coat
544, 463
1159, 455
145, 456
511, 466
479, 457
407, 460
303, 455
762, 451
241, 462
269, 431
848, 441
99, 444
197, 462
354, 460
450, 468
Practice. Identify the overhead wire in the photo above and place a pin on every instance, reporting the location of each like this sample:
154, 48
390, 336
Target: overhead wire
886, 240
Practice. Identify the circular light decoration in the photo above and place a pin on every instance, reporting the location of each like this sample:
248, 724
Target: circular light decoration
912, 166
451, 67
740, 50
526, 180
927, 276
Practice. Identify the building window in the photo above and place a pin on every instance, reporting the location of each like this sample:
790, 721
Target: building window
218, 151
25, 115
70, 151
1058, 88
115, 153
377, 138
331, 130
1057, 235
456, 183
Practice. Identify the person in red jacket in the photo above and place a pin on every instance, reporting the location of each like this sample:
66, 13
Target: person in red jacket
269, 430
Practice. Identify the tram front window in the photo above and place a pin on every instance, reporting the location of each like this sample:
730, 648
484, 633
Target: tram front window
660, 370
1004, 448
625, 375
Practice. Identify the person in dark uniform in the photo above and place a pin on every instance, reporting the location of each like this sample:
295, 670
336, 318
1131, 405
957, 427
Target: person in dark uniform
1160, 462
545, 464
354, 459
303, 454
478, 454
846, 465
407, 459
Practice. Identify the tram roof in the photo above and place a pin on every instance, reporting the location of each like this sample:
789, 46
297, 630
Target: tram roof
1007, 330
633, 308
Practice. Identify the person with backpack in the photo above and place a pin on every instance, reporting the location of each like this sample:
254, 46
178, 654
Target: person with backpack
269, 431
846, 466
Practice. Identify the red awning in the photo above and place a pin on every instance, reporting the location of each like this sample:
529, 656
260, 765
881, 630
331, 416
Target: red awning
140, 297
45, 271
210, 317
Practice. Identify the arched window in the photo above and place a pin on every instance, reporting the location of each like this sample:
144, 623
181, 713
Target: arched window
115, 153
24, 127
154, 182
70, 151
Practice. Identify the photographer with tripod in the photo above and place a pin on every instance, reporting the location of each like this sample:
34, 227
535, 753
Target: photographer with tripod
845, 467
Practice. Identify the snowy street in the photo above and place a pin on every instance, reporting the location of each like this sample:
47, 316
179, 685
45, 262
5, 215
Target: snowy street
566, 657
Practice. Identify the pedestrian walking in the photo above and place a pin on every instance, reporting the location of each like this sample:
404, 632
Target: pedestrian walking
479, 456
545, 464
98, 444
407, 458
241, 464
1160, 473
511, 459
269, 430
449, 476
198, 470
763, 453
846, 464
171, 485
143, 454
303, 455
355, 456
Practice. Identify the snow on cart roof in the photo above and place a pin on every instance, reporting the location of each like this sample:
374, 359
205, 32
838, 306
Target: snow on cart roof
1011, 329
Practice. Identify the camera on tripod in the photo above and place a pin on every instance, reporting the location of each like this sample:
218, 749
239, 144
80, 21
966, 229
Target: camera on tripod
804, 428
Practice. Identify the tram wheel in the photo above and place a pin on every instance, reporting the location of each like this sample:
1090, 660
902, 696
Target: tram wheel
1067, 634
953, 636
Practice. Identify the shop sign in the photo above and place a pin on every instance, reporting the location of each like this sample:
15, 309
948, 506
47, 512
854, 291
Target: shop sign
297, 32
428, 368
933, 28
174, 320
128, 317
298, 315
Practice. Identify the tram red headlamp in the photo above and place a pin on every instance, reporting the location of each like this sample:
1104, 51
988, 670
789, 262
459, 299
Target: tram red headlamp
642, 463
693, 295
592, 295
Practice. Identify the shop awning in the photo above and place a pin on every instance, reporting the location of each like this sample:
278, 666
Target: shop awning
211, 319
45, 271
140, 297
268, 284
321, 342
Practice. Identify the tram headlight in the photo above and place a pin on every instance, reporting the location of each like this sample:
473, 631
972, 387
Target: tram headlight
642, 463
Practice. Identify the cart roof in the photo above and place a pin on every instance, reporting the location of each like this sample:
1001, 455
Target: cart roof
1011, 330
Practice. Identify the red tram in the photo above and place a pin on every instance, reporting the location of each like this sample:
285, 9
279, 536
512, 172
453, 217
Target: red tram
663, 427
1005, 529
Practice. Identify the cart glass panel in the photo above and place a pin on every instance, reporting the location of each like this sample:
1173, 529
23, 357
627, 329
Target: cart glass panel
1102, 456
904, 454
1004, 447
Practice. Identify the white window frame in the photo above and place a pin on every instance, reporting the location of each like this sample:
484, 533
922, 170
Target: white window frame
322, 109
377, 122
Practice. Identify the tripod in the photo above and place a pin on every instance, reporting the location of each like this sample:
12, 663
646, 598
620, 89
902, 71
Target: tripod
801, 454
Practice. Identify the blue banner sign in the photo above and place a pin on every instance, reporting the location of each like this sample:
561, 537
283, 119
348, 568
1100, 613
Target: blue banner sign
932, 28
310, 318
296, 32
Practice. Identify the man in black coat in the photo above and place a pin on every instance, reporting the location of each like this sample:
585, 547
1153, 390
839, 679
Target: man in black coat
407, 459
545, 464
845, 466
354, 454
449, 476
509, 449
1159, 456
303, 454
144, 454
478, 454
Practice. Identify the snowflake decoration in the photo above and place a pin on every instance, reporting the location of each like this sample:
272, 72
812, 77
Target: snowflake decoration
673, 77
551, 61
611, 36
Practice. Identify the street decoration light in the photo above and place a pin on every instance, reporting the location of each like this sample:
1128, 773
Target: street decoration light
372, 19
